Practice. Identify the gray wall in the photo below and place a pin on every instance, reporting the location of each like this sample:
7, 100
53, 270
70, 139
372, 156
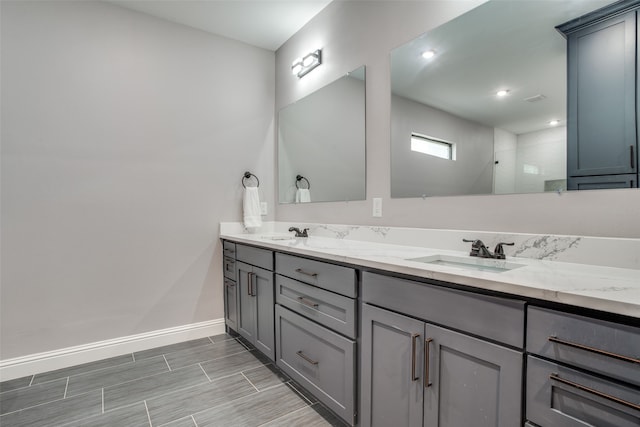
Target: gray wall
415, 174
364, 32
124, 138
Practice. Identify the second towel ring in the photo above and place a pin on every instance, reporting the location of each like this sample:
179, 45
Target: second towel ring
300, 178
248, 175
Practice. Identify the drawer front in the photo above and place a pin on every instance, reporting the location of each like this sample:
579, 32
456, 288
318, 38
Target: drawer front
229, 249
331, 310
502, 320
607, 348
334, 278
229, 265
262, 258
562, 397
319, 359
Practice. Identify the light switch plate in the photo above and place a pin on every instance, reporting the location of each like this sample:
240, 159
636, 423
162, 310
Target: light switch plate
377, 207
264, 208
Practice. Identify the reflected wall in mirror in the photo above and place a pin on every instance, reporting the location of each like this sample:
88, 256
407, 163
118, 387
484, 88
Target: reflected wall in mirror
502, 144
321, 144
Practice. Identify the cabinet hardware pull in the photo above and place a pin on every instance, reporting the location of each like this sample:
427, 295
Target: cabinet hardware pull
594, 350
633, 161
249, 284
427, 380
413, 357
555, 377
306, 358
253, 285
307, 302
306, 273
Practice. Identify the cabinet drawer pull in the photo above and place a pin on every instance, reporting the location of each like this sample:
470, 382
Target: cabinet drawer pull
306, 358
413, 357
306, 273
249, 284
427, 380
631, 156
307, 302
594, 350
631, 405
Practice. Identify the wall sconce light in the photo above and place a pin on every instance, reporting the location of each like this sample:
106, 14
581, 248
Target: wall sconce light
304, 65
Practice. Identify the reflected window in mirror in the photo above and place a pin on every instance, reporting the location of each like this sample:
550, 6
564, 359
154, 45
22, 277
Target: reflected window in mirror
504, 144
321, 138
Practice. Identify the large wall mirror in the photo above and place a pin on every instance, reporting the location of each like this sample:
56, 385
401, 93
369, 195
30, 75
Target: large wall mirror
453, 132
321, 144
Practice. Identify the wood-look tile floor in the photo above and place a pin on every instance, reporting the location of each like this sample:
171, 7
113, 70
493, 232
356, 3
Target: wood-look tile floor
216, 381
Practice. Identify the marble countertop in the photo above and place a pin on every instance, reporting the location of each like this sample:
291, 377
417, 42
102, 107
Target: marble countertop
609, 289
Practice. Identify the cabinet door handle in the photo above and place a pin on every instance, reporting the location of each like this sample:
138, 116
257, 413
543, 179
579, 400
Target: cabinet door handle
594, 350
307, 302
427, 380
414, 337
306, 358
306, 273
632, 157
590, 390
249, 284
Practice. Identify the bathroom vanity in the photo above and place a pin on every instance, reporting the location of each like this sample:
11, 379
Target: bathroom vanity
387, 334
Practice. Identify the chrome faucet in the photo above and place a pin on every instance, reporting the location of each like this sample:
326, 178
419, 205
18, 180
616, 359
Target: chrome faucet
479, 249
299, 233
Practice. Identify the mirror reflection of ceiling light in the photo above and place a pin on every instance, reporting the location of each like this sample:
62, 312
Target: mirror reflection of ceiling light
301, 66
428, 54
554, 122
502, 93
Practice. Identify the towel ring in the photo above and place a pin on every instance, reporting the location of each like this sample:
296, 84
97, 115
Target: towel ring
300, 178
248, 175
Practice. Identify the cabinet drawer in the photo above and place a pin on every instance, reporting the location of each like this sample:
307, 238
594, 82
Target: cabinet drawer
335, 278
495, 318
607, 348
332, 310
561, 397
262, 258
322, 361
229, 265
229, 249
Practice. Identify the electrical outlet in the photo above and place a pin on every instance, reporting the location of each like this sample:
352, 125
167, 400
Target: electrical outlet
377, 207
264, 208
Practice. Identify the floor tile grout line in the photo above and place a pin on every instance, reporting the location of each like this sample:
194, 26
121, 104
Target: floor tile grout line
81, 373
211, 339
205, 372
295, 389
217, 358
44, 403
165, 361
194, 421
252, 384
147, 409
133, 356
66, 387
31, 382
102, 390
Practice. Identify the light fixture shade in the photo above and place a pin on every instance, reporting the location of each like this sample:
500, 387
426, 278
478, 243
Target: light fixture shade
304, 65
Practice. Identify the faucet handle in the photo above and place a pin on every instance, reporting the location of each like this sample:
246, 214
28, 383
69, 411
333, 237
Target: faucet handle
477, 247
499, 251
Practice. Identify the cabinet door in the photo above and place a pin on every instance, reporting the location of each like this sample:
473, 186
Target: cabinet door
471, 382
392, 369
601, 98
262, 289
246, 302
231, 304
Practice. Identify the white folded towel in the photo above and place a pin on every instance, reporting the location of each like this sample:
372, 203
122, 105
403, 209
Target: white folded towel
303, 195
251, 208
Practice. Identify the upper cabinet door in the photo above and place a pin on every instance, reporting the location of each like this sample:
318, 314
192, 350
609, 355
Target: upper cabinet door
602, 98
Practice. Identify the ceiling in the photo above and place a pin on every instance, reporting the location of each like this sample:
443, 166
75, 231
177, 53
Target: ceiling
263, 23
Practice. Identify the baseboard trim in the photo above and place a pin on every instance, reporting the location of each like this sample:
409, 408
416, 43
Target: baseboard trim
47, 361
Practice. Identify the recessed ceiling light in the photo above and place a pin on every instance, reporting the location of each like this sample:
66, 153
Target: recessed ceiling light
428, 54
554, 122
502, 93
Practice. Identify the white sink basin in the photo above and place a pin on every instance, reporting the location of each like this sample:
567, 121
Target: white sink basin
469, 263
277, 237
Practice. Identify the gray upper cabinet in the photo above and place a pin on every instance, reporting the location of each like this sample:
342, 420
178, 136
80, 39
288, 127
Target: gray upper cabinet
602, 107
255, 317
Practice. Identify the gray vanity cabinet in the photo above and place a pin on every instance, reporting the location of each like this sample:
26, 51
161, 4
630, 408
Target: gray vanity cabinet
255, 298
421, 373
602, 107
